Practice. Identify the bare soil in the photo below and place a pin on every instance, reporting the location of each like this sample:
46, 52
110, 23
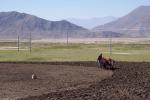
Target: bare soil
16, 81
130, 81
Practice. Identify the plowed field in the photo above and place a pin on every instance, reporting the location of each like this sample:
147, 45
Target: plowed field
16, 81
130, 81
75, 81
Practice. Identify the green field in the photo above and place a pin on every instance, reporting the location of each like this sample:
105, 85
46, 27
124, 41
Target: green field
74, 52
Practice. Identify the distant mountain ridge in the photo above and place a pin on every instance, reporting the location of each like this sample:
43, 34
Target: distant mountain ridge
14, 23
92, 22
135, 24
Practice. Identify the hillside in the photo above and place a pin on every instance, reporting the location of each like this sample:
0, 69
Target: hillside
134, 24
14, 23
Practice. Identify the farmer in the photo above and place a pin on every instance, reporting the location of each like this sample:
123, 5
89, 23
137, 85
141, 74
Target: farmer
99, 59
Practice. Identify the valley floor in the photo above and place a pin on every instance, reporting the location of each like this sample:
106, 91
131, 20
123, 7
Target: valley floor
97, 40
86, 40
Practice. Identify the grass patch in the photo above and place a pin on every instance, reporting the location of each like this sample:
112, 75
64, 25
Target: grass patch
77, 52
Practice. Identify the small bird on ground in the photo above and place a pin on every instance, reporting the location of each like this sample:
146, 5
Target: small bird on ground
34, 76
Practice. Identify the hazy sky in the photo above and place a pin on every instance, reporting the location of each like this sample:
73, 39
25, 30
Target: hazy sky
62, 9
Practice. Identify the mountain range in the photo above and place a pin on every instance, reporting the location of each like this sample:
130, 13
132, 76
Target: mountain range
92, 22
134, 24
14, 23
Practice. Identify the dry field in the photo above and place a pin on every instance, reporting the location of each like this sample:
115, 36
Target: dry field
130, 81
16, 82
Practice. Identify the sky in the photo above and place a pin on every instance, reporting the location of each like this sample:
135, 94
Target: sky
79, 9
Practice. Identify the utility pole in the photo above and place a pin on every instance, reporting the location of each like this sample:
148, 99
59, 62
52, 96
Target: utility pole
110, 44
67, 37
18, 44
30, 44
